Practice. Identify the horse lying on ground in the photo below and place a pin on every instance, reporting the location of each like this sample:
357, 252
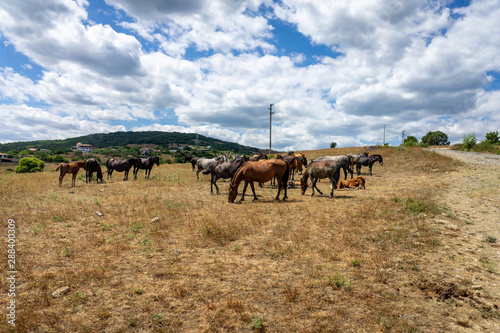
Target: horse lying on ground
93, 166
72, 168
121, 166
224, 170
147, 164
368, 161
261, 171
357, 183
319, 170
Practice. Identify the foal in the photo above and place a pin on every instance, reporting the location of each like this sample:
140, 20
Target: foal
72, 168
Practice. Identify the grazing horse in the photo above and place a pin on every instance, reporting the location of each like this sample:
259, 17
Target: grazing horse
72, 168
146, 163
319, 170
367, 161
121, 166
261, 171
204, 163
224, 170
345, 162
93, 166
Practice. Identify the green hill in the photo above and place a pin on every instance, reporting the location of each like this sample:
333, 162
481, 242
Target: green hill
116, 139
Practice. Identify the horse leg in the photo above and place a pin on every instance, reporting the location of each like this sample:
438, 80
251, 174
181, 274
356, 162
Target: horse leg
358, 169
61, 176
370, 169
216, 178
73, 180
253, 191
244, 189
321, 193
334, 184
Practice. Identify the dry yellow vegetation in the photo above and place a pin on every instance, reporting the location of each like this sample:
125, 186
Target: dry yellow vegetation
163, 255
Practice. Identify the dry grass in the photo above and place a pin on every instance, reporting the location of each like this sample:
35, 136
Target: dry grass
167, 256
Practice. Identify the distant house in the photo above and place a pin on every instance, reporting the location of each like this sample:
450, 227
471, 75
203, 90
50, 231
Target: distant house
33, 149
84, 148
147, 151
4, 158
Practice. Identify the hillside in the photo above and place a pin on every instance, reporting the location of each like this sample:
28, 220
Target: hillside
103, 140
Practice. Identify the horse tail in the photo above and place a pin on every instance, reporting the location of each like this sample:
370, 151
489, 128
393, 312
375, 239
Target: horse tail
58, 167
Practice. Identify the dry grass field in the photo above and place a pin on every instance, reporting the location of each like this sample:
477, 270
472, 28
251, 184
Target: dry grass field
163, 255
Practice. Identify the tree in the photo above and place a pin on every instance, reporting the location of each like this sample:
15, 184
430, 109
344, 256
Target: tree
29, 164
436, 138
333, 144
469, 141
410, 141
492, 137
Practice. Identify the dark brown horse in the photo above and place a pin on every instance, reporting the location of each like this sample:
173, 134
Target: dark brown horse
121, 166
93, 166
224, 170
147, 164
72, 168
319, 170
261, 171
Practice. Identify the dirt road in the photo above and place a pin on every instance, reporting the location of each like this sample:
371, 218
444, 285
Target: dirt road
471, 229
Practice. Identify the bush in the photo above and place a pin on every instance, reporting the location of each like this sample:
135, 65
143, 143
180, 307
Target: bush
410, 141
29, 164
469, 141
333, 144
492, 137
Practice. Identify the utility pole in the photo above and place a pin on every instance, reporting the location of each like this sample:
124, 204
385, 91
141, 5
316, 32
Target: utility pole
403, 137
384, 134
270, 123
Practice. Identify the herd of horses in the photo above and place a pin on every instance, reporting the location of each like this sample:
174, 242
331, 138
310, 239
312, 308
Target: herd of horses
92, 165
257, 168
281, 169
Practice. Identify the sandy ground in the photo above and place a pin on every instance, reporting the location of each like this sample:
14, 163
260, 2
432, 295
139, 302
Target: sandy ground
472, 222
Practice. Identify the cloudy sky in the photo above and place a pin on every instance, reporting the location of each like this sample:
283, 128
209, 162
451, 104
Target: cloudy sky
335, 70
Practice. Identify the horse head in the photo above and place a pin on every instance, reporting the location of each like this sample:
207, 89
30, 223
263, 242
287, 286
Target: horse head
233, 193
303, 185
157, 160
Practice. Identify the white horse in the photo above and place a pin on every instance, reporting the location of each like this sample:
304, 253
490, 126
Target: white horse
204, 163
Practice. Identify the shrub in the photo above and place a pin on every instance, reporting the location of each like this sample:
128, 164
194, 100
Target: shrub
29, 164
492, 137
333, 144
410, 141
469, 141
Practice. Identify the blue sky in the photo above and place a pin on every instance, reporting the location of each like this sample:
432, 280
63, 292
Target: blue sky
335, 70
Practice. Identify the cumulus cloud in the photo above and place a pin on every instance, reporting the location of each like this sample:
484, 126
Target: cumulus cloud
412, 65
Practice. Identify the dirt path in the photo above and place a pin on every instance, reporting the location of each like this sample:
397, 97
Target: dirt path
471, 224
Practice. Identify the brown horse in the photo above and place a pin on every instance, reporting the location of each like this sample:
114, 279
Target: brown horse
261, 171
72, 168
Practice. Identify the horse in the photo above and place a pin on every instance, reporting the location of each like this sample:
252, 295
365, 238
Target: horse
260, 171
204, 163
345, 162
257, 157
294, 163
193, 161
302, 158
319, 170
368, 161
72, 168
224, 170
121, 166
93, 166
146, 163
